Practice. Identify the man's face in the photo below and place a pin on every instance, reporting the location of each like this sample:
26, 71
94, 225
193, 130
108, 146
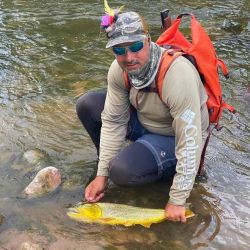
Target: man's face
133, 61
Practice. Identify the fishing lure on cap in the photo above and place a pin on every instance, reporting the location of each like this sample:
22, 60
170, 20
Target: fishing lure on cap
110, 17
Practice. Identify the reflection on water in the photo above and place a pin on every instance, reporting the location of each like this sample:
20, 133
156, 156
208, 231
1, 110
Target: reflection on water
51, 53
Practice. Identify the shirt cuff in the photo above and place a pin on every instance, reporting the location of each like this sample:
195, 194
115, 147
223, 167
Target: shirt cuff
177, 202
101, 171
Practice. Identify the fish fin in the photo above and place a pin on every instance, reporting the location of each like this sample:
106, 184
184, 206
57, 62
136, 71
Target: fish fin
147, 225
106, 220
128, 223
74, 215
109, 221
189, 213
156, 220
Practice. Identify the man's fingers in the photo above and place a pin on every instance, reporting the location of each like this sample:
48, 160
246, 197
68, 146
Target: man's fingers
98, 197
183, 219
95, 190
175, 213
172, 218
177, 218
90, 194
86, 193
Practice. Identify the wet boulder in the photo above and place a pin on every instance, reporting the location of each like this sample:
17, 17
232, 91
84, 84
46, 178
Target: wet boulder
46, 180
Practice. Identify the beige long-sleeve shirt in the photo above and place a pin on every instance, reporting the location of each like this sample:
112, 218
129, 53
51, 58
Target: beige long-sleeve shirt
183, 114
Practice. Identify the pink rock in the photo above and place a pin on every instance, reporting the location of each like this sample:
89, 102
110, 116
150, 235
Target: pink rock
46, 180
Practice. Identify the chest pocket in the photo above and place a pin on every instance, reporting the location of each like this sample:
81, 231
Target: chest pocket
149, 105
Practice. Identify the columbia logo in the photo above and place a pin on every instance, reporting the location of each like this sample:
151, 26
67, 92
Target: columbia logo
188, 116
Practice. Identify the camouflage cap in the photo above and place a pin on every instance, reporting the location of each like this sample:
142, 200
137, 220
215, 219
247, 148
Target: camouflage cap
128, 27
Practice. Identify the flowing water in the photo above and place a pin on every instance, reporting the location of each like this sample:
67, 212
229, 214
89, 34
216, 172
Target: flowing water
53, 51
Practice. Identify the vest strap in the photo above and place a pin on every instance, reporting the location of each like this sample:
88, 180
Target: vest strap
201, 170
126, 80
223, 68
167, 59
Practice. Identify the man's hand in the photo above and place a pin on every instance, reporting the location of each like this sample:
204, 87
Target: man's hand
175, 213
95, 190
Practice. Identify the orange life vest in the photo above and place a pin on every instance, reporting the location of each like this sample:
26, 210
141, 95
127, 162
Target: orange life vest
203, 55
202, 51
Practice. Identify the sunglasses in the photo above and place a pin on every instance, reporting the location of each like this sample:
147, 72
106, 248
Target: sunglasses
135, 47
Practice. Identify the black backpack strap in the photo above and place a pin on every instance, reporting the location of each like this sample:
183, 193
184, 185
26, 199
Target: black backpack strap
201, 170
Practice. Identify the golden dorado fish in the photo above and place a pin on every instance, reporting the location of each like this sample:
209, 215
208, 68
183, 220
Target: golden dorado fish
118, 214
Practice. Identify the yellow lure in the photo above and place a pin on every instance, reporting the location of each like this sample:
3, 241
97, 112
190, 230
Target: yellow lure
110, 11
118, 214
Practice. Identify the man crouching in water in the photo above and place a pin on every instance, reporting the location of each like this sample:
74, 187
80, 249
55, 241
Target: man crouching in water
168, 134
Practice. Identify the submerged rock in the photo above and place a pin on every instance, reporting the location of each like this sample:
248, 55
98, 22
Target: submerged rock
232, 26
30, 246
247, 94
1, 219
33, 156
46, 180
30, 162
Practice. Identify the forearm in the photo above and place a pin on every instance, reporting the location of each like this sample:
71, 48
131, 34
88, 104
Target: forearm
184, 96
115, 117
112, 138
188, 154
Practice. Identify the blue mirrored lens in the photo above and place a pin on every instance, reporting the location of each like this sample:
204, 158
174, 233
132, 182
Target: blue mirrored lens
135, 47
119, 51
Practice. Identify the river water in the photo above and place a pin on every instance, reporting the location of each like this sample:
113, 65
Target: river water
53, 51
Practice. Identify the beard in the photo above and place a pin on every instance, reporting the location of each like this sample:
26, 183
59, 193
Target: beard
143, 76
136, 72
